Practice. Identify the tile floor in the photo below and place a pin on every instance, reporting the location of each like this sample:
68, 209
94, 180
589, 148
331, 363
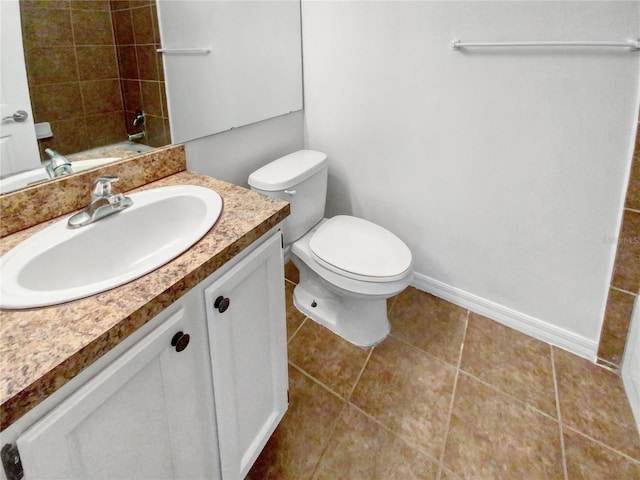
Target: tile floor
448, 395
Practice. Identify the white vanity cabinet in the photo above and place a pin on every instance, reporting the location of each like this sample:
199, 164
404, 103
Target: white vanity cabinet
247, 335
151, 411
147, 415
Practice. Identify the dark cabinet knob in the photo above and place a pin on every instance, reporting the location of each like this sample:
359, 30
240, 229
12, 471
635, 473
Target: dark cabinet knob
221, 303
180, 341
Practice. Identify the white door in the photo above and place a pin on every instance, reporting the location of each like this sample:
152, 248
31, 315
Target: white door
18, 145
148, 415
248, 356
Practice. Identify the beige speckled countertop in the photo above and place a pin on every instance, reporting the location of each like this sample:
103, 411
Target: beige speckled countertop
43, 348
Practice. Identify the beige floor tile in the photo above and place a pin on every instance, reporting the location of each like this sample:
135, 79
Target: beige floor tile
430, 323
593, 402
586, 460
446, 474
409, 391
510, 361
360, 449
294, 449
327, 357
294, 316
615, 326
492, 436
291, 273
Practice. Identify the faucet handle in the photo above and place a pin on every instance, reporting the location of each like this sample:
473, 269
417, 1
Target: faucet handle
102, 188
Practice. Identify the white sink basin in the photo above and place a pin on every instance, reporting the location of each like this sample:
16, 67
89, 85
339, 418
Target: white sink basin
59, 264
38, 175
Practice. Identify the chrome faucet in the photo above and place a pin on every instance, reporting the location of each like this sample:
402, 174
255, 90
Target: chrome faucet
103, 203
58, 165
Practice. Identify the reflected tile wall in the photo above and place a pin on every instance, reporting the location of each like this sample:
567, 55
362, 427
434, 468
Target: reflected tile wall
135, 24
69, 54
91, 66
626, 274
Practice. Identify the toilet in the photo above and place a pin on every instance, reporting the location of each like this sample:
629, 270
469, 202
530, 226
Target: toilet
348, 266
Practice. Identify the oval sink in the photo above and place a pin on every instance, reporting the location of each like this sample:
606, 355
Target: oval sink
59, 264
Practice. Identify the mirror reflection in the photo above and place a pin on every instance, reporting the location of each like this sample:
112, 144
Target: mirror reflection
95, 80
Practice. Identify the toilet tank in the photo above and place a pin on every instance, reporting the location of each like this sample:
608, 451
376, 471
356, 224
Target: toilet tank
300, 178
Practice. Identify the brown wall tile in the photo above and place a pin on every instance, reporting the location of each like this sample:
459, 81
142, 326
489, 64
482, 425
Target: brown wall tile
101, 96
69, 136
119, 4
92, 27
626, 275
160, 68
128, 62
167, 131
151, 102
147, 62
154, 21
54, 64
85, 45
90, 4
105, 128
154, 129
142, 25
58, 4
163, 100
97, 62
123, 27
131, 95
56, 102
616, 326
46, 27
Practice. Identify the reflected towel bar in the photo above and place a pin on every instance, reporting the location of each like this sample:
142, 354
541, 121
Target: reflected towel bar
185, 51
630, 44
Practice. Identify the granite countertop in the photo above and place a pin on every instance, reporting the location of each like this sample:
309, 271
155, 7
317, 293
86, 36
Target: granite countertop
43, 348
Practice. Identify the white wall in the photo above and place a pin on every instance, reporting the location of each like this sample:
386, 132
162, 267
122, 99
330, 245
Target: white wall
234, 154
504, 171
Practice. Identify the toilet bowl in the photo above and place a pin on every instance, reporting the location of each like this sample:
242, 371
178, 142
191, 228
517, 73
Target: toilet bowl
348, 266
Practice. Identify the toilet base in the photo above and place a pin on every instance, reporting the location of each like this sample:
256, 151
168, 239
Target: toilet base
361, 321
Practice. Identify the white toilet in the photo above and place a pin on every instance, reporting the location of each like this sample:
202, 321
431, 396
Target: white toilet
348, 266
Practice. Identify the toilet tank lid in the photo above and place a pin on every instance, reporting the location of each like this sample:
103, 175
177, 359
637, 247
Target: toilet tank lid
288, 171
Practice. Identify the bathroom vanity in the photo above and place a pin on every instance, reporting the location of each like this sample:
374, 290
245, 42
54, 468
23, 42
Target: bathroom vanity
181, 373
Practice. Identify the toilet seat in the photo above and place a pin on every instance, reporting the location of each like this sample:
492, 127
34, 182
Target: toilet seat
358, 249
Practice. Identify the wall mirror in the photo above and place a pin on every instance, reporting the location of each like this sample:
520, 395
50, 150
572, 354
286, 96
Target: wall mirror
91, 67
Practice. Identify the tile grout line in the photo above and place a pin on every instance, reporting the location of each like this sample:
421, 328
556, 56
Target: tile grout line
510, 396
410, 443
297, 330
329, 438
453, 396
558, 413
613, 287
415, 347
345, 404
308, 375
604, 445
366, 362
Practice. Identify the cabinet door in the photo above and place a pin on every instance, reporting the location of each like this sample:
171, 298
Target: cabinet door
248, 356
147, 415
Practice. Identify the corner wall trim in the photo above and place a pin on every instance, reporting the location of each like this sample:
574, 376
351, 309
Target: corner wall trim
526, 324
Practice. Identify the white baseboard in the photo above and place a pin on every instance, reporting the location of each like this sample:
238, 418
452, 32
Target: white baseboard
534, 327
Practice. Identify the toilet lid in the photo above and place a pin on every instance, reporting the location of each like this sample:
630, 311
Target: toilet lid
352, 246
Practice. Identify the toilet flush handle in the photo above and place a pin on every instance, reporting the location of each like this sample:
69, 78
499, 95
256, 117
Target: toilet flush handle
290, 192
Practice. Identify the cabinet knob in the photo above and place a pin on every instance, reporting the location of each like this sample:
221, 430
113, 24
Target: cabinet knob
180, 341
221, 303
